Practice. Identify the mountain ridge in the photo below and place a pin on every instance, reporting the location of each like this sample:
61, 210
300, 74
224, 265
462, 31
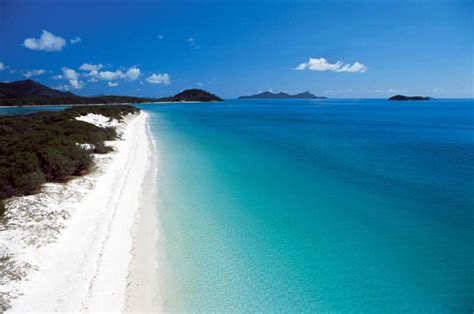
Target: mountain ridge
29, 92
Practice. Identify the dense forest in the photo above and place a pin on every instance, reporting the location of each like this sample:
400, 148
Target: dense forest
45, 147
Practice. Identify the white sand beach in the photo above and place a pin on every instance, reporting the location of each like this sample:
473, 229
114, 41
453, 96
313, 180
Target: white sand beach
90, 245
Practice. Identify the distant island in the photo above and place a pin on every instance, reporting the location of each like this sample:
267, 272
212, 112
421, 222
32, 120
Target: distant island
192, 95
402, 97
29, 92
282, 95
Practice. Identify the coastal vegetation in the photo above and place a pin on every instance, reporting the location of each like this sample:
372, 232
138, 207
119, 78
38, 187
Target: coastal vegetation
49, 147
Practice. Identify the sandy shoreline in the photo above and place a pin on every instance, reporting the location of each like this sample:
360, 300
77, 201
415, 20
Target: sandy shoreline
92, 247
142, 293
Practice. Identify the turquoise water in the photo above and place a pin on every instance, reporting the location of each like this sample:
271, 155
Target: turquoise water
316, 206
27, 110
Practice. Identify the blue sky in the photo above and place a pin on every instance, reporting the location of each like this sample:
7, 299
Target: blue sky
156, 48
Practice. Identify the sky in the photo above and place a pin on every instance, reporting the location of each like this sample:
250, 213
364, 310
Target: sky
338, 49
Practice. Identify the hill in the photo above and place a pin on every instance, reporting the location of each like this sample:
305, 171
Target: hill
192, 95
29, 92
30, 88
282, 95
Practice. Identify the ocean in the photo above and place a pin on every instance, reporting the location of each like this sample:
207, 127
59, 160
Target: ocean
358, 205
316, 205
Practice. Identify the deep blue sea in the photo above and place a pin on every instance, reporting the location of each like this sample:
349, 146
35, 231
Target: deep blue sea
316, 205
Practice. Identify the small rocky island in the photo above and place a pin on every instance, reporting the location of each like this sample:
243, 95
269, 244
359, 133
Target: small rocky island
402, 97
282, 95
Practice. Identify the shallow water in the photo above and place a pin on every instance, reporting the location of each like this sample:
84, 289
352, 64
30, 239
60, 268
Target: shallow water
333, 205
10, 111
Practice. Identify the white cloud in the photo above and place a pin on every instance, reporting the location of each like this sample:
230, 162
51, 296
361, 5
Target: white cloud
384, 91
192, 43
159, 79
76, 84
62, 87
337, 91
200, 84
2, 66
301, 66
110, 76
391, 91
91, 67
70, 74
75, 40
133, 73
46, 42
355, 67
93, 74
322, 64
93, 70
73, 77
31, 73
